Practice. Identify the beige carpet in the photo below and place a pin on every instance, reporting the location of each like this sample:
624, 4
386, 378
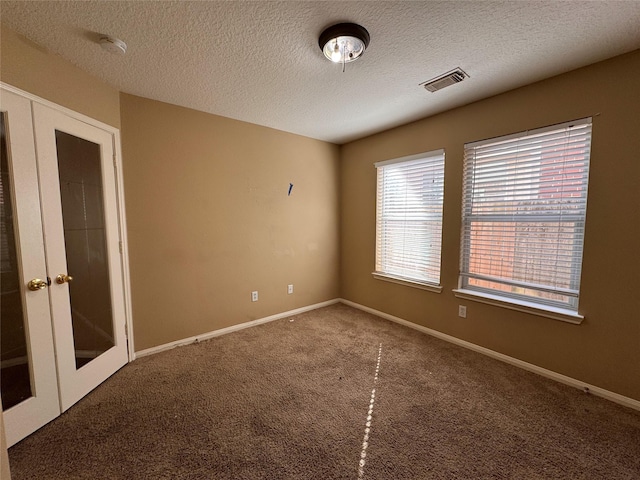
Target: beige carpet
290, 400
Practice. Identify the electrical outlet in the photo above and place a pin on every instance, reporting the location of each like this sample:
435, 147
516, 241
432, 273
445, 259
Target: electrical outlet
289, 289
254, 296
462, 311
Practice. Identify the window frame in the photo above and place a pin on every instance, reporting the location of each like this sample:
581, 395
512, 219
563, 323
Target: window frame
434, 161
561, 310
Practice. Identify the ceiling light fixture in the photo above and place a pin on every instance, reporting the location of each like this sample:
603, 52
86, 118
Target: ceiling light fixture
344, 42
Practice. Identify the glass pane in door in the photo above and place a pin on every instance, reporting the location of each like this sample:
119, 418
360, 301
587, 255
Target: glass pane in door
15, 375
80, 172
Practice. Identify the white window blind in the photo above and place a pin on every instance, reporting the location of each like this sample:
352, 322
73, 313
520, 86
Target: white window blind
409, 217
523, 217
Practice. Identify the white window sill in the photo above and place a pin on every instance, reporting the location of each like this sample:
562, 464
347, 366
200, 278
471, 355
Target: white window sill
555, 313
409, 283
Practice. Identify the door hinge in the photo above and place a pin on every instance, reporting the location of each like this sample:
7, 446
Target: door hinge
126, 331
120, 247
115, 163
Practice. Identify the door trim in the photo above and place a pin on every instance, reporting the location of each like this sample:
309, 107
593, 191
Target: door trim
119, 182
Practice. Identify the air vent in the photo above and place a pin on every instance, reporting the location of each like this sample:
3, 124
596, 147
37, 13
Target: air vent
449, 78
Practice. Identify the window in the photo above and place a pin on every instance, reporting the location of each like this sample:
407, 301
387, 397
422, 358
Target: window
523, 216
409, 219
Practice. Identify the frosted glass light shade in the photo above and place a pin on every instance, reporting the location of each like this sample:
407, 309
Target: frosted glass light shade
344, 42
343, 49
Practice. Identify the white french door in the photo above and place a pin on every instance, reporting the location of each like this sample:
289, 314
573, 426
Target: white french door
63, 305
27, 353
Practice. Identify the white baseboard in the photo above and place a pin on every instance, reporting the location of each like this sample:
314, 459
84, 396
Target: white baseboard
233, 328
595, 390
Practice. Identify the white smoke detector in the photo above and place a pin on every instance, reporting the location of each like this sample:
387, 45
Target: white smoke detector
113, 45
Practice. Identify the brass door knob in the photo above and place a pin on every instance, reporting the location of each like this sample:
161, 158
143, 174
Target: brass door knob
62, 278
36, 284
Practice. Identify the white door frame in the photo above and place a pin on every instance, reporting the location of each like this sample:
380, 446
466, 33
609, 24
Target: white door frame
122, 223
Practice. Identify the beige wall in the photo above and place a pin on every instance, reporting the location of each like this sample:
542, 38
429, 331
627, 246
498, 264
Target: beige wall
209, 220
605, 349
32, 68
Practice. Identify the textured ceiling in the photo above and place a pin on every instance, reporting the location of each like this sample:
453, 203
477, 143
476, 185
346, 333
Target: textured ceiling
260, 61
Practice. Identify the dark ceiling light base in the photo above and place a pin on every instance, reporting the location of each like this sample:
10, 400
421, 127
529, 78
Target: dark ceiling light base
344, 42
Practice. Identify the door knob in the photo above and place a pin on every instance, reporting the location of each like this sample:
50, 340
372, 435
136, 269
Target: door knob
62, 278
36, 284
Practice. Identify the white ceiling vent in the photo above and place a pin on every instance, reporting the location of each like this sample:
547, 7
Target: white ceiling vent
449, 78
